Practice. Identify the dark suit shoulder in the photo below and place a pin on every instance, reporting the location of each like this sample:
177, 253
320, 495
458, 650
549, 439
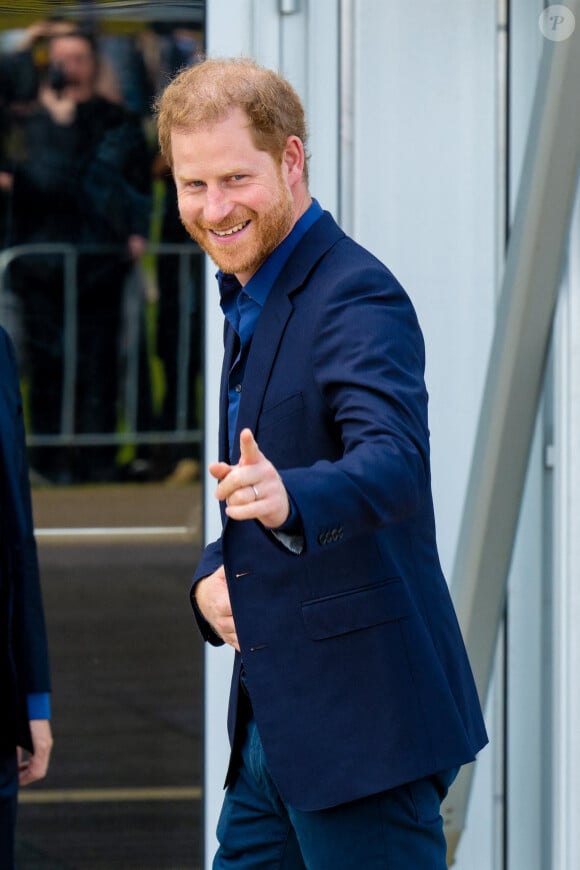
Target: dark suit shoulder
342, 265
327, 239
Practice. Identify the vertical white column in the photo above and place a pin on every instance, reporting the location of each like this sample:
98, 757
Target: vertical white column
566, 700
218, 661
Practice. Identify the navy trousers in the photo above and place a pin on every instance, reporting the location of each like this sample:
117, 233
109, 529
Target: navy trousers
397, 829
8, 806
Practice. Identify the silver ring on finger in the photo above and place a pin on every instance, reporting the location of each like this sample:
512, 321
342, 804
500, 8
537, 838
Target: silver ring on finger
256, 493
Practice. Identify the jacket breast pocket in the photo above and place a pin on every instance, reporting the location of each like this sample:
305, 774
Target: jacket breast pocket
281, 411
280, 428
357, 609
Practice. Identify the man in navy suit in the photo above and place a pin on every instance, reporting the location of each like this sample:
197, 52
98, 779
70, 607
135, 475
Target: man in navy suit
352, 701
25, 732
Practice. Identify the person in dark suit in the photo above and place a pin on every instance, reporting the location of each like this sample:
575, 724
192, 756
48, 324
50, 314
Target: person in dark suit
25, 731
352, 700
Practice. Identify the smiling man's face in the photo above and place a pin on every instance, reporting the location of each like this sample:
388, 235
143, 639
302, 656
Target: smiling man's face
235, 201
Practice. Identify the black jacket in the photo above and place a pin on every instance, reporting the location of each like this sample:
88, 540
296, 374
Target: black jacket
24, 667
86, 182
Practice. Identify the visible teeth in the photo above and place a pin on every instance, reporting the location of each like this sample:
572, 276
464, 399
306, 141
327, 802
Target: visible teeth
231, 231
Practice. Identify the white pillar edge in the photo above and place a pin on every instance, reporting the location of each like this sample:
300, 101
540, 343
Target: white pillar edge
566, 634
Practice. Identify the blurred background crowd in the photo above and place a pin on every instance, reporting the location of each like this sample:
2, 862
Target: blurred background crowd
100, 286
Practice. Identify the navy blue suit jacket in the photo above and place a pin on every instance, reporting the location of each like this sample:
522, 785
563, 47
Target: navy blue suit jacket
354, 660
23, 647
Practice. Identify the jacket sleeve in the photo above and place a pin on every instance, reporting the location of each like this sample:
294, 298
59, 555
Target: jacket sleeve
368, 365
117, 181
210, 561
30, 644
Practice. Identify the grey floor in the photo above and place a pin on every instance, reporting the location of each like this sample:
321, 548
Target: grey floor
124, 789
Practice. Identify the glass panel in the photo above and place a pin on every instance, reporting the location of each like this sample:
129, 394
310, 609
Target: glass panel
101, 291
100, 285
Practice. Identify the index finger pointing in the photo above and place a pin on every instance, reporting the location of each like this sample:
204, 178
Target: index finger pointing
249, 450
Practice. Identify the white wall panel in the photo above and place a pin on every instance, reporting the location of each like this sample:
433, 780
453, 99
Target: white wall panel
321, 95
424, 201
565, 748
229, 27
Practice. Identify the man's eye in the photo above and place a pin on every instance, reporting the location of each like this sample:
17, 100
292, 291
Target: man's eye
238, 177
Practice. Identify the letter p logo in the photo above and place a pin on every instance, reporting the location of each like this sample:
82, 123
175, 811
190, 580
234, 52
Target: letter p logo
557, 23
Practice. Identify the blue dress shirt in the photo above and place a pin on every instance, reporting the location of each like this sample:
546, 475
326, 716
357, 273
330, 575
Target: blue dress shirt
242, 306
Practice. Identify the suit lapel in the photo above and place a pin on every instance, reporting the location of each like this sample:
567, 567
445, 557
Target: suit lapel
267, 337
230, 345
270, 327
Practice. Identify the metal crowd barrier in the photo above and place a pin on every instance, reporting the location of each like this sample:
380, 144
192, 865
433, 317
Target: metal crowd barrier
133, 323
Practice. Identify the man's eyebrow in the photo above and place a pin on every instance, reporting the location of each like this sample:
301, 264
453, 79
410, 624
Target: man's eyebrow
184, 176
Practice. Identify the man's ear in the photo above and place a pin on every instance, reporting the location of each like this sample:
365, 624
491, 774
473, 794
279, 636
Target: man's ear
293, 159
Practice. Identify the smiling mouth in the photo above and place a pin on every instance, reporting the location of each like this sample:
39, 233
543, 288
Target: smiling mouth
231, 231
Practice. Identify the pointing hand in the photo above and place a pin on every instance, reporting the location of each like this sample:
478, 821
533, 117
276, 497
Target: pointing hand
252, 489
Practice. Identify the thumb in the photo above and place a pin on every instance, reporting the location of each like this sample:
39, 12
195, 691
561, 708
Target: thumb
249, 450
219, 470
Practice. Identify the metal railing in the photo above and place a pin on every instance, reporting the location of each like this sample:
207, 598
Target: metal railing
189, 295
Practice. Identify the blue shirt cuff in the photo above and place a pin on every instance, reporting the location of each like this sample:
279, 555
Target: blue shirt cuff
39, 705
291, 534
293, 525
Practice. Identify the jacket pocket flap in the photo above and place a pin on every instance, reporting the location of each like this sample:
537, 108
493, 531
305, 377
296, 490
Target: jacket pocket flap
356, 609
289, 406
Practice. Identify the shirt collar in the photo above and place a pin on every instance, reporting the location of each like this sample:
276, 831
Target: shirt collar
260, 284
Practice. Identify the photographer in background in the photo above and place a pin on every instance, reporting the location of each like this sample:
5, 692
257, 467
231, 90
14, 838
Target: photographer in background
79, 175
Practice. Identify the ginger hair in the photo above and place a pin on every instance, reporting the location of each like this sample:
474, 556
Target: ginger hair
206, 92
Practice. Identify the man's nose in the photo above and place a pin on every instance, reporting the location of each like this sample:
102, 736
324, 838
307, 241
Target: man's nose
217, 205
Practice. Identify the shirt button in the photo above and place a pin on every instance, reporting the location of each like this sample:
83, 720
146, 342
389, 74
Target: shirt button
238, 388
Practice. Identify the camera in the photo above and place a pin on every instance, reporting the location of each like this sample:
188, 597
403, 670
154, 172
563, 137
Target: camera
55, 78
